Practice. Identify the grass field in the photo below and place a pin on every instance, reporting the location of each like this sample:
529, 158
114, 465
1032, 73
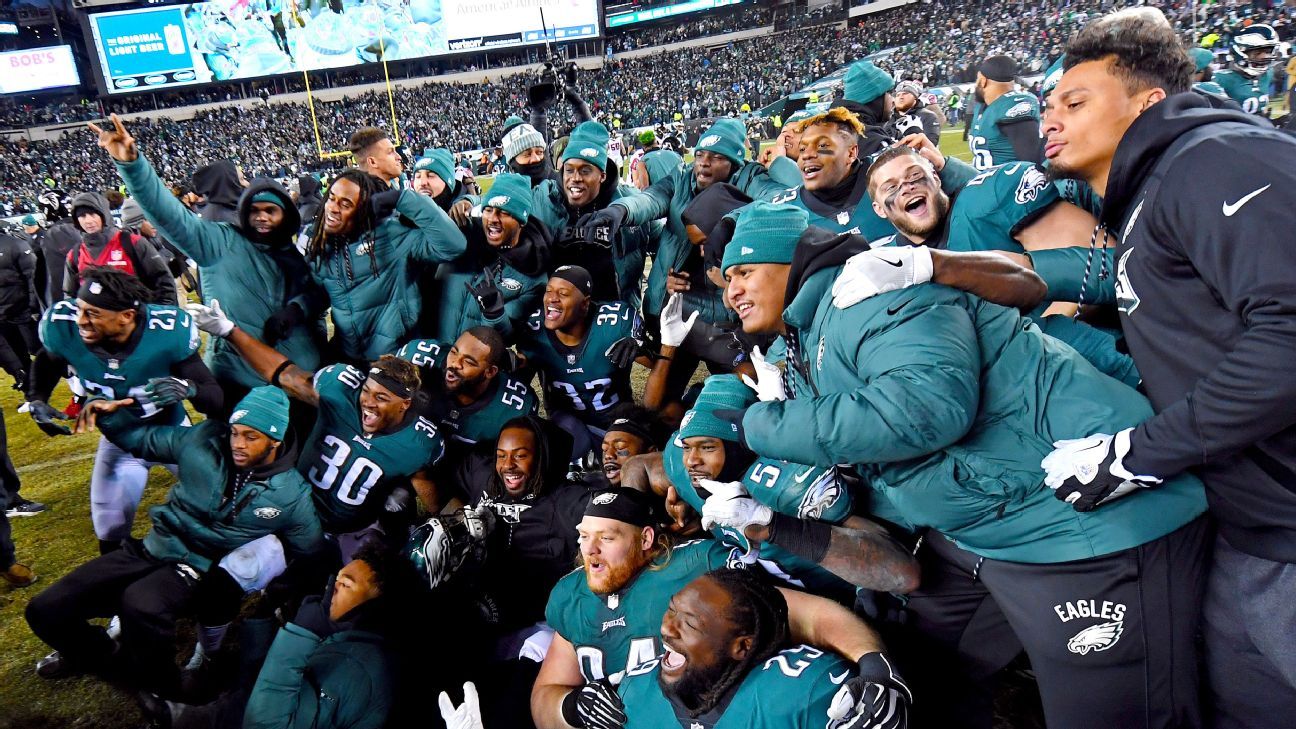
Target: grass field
56, 471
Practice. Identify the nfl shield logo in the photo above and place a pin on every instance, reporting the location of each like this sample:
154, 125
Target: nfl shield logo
843, 218
113, 364
571, 359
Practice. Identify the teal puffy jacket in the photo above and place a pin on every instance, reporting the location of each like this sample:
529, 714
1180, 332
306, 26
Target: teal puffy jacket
519, 274
252, 280
197, 525
371, 282
947, 404
668, 197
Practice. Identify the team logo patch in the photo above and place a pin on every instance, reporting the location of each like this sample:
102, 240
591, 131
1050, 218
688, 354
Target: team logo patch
618, 623
1032, 182
821, 496
843, 218
709, 140
1096, 638
1021, 109
604, 500
571, 359
498, 201
1052, 79
589, 152
747, 251
96, 287
819, 355
687, 418
266, 512
238, 415
511, 284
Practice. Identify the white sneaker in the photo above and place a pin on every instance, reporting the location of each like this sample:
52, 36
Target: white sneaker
24, 407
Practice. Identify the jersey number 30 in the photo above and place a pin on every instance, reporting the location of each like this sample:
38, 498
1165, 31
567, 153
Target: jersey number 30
363, 471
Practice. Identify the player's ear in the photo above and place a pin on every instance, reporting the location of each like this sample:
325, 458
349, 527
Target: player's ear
647, 537
740, 647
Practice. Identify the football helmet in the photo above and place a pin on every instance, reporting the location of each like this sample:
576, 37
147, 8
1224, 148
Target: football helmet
1254, 49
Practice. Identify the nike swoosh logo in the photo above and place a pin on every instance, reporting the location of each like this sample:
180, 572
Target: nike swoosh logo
801, 477
1233, 208
897, 264
892, 311
837, 680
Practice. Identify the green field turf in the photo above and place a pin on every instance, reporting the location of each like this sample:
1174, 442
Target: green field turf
56, 471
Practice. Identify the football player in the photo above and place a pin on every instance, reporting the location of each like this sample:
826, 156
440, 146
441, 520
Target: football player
367, 442
608, 613
1007, 129
120, 347
1249, 76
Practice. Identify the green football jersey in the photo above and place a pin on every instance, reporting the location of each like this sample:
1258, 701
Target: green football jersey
164, 336
858, 218
785, 496
580, 380
794, 688
353, 471
507, 398
619, 632
1251, 93
995, 205
989, 145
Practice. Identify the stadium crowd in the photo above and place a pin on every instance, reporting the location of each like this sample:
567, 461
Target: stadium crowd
832, 431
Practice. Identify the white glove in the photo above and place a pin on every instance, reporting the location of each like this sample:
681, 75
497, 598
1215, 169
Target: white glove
398, 500
880, 270
769, 379
729, 505
467, 716
211, 319
674, 327
1089, 472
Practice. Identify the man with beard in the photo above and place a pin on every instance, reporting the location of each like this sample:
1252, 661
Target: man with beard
434, 177
608, 615
910, 116
503, 270
834, 191
1007, 127
471, 392
1011, 208
614, 257
367, 250
368, 442
719, 157
103, 244
236, 486
626, 437
583, 350
946, 405
252, 265
815, 540
1204, 289
119, 347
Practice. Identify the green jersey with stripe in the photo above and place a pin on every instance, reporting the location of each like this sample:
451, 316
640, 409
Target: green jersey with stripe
990, 146
353, 471
164, 336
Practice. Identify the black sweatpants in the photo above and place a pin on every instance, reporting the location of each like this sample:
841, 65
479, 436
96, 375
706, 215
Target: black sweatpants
148, 594
8, 495
1111, 640
18, 344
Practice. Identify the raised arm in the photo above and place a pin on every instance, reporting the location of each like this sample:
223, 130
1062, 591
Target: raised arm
436, 238
265, 360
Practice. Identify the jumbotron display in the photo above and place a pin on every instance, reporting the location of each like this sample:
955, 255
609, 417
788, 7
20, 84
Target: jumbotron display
180, 45
616, 19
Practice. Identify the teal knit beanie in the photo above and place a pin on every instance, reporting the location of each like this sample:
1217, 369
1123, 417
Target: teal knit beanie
512, 194
726, 137
719, 392
765, 233
588, 143
439, 162
1201, 57
865, 82
265, 409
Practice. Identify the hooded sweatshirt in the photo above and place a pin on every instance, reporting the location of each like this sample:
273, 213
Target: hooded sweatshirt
1205, 287
141, 256
218, 183
308, 197
253, 276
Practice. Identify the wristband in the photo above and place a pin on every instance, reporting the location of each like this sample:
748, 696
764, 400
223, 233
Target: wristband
569, 712
274, 378
802, 537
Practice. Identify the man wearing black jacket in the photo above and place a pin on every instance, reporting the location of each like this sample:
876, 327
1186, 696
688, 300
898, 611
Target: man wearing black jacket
1204, 282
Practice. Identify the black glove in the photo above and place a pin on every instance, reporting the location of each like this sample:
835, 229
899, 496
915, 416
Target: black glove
875, 699
488, 296
602, 226
45, 415
734, 418
161, 392
384, 203
623, 352
595, 705
280, 323
569, 76
542, 95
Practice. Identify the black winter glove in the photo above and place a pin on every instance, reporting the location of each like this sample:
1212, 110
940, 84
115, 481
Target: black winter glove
45, 415
596, 705
877, 698
162, 392
623, 352
383, 204
279, 324
542, 95
602, 226
488, 296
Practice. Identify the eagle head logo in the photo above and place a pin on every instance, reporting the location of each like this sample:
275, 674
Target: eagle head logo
1096, 638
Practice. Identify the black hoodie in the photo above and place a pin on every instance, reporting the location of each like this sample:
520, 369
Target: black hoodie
218, 183
308, 197
1206, 285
